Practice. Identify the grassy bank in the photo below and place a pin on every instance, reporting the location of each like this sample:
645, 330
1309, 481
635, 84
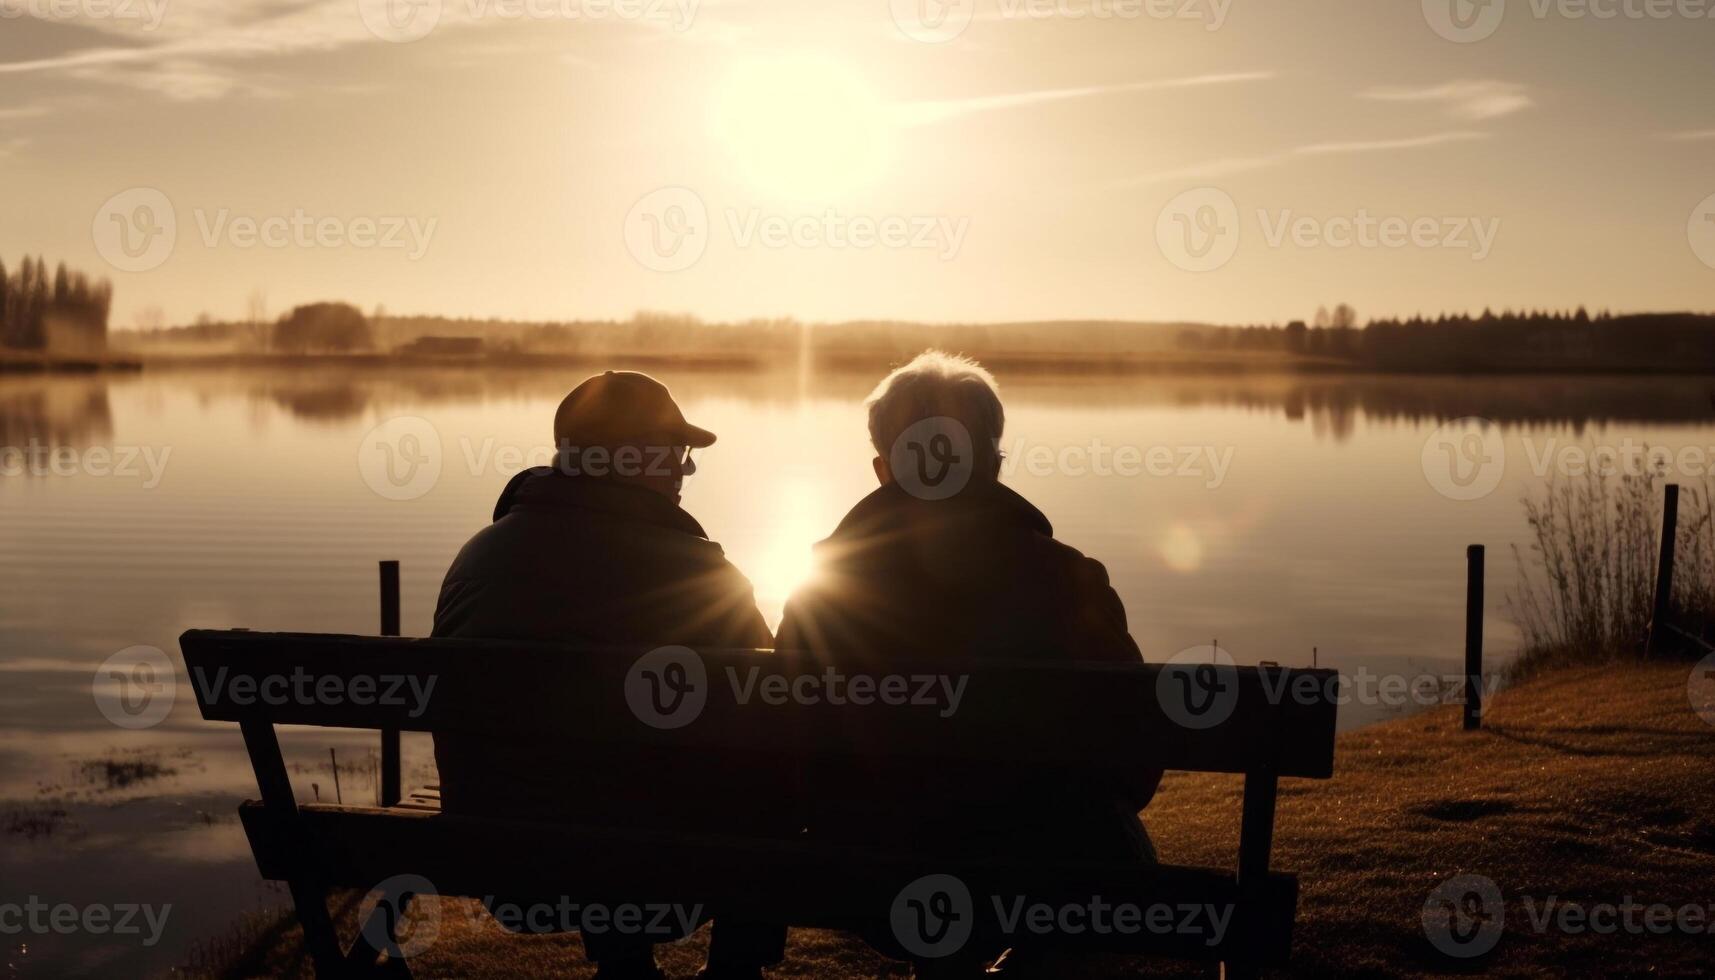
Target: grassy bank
1587, 785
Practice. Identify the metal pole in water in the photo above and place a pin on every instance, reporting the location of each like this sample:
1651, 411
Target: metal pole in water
1663, 610
1473, 637
390, 789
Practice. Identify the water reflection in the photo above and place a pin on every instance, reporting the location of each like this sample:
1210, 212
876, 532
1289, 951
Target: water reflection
1331, 403
1323, 534
51, 413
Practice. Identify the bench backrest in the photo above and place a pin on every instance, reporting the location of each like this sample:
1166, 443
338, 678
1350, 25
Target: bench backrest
1273, 720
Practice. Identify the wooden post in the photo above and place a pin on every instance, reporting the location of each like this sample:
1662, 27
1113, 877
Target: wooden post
1473, 637
1659, 630
391, 789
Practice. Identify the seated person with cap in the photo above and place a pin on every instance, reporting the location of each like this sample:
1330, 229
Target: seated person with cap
596, 550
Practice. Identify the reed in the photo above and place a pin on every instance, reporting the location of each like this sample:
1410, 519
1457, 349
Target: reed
1587, 580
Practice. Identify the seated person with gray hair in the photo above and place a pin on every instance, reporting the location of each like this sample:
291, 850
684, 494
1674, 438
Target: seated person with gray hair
943, 562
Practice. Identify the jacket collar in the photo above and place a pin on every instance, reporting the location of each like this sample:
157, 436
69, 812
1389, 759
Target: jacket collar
546, 489
891, 508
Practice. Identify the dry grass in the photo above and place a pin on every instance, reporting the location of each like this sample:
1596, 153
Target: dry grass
1588, 784
1586, 593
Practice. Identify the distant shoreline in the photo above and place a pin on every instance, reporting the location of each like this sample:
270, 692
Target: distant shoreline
1131, 364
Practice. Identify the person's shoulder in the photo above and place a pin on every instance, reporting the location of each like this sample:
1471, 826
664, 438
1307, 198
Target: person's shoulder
1081, 568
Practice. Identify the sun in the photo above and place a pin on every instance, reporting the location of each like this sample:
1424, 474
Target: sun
800, 125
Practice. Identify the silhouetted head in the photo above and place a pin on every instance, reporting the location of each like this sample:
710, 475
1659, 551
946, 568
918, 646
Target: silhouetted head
935, 408
625, 427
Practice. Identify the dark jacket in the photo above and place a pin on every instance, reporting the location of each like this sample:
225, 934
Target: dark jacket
573, 559
977, 576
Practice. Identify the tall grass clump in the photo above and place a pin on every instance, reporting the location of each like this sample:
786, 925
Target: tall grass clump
1587, 584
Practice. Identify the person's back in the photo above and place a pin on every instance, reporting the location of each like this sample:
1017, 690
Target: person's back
916, 573
575, 560
596, 552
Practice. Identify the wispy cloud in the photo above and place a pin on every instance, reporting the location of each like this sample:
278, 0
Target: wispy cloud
1232, 165
925, 113
1470, 100
207, 49
23, 112
1691, 136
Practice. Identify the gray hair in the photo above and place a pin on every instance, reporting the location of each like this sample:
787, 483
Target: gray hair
937, 384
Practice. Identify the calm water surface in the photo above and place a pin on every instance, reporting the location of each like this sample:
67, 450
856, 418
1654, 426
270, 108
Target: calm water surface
1277, 514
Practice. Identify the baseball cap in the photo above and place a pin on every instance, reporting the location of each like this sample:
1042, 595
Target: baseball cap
620, 408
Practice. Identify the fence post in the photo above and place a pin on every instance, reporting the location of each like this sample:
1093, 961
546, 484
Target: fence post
390, 789
1663, 609
1473, 637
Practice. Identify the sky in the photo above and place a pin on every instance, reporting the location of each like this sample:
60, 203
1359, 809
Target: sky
1234, 161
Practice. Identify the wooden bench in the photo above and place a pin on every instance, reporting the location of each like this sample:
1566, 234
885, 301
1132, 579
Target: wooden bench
1093, 720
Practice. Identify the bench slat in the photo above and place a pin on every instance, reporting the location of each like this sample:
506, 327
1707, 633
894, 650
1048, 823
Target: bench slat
1069, 716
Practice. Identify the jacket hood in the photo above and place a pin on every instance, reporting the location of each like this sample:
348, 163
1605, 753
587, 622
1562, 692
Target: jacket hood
544, 488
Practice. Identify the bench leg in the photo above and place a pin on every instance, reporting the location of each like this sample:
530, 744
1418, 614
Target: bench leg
364, 959
321, 940
1239, 971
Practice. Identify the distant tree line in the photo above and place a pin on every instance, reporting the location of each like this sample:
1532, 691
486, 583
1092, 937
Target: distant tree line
318, 328
1510, 341
1537, 340
65, 310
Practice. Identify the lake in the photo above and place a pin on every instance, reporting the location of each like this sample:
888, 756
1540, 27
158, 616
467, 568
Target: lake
1276, 514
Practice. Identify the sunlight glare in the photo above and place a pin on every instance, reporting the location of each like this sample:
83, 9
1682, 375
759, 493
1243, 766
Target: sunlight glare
1181, 550
786, 563
800, 125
